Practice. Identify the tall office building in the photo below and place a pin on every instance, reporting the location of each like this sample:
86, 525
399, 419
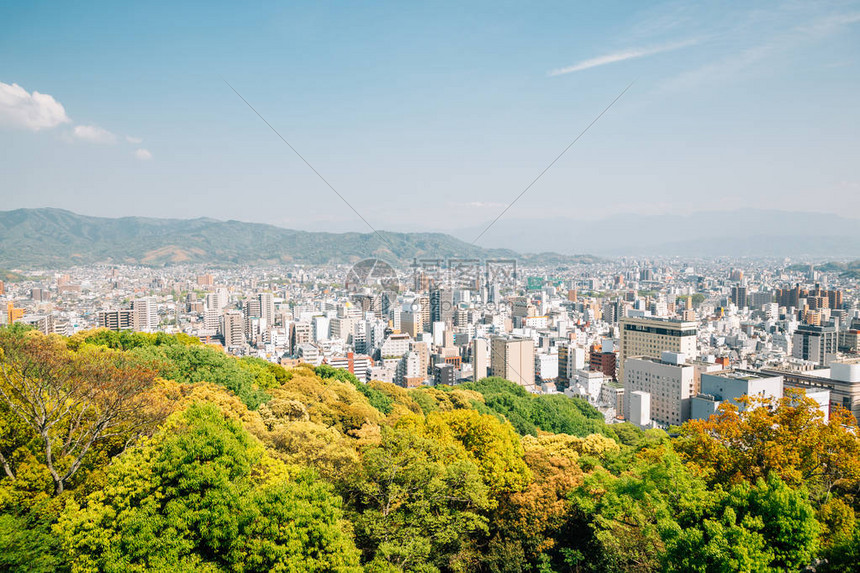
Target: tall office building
252, 308
411, 322
739, 296
233, 328
814, 343
442, 305
147, 313
211, 319
648, 336
480, 358
513, 359
267, 307
670, 382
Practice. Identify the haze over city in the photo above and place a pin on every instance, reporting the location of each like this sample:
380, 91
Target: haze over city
430, 117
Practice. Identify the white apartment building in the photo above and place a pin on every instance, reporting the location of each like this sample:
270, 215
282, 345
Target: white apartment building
669, 380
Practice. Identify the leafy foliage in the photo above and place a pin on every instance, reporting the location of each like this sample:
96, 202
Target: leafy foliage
201, 495
259, 468
194, 364
529, 413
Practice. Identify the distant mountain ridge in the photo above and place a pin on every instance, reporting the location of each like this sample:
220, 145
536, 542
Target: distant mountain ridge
58, 238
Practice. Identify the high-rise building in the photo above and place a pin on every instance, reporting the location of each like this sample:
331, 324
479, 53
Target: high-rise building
602, 358
233, 328
39, 294
211, 319
646, 336
146, 309
267, 307
670, 382
442, 305
480, 358
342, 328
421, 350
395, 346
252, 308
739, 296
513, 359
411, 322
814, 343
546, 366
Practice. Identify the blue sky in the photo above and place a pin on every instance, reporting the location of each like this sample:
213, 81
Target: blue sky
429, 116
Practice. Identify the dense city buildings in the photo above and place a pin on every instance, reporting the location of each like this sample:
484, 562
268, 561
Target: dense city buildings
634, 338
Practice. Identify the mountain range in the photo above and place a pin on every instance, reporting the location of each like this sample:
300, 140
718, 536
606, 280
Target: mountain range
58, 238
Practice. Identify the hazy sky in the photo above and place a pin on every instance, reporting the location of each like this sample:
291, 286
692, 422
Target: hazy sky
428, 116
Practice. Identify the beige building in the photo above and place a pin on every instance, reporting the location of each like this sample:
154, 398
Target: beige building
233, 329
650, 336
513, 359
480, 358
669, 380
412, 323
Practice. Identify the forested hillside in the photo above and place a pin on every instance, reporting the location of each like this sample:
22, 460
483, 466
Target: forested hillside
57, 238
136, 452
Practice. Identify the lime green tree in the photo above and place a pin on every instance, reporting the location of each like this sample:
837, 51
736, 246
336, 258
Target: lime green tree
417, 503
201, 495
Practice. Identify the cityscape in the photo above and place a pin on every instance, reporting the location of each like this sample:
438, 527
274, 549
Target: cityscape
656, 342
430, 287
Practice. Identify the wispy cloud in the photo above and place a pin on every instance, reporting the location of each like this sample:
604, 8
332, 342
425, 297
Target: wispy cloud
134, 140
33, 111
630, 54
143, 154
831, 24
761, 48
94, 134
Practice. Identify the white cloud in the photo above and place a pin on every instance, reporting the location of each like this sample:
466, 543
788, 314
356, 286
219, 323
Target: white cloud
94, 134
135, 140
143, 154
33, 111
621, 56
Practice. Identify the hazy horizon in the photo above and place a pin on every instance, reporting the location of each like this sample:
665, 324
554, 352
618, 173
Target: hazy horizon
429, 118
